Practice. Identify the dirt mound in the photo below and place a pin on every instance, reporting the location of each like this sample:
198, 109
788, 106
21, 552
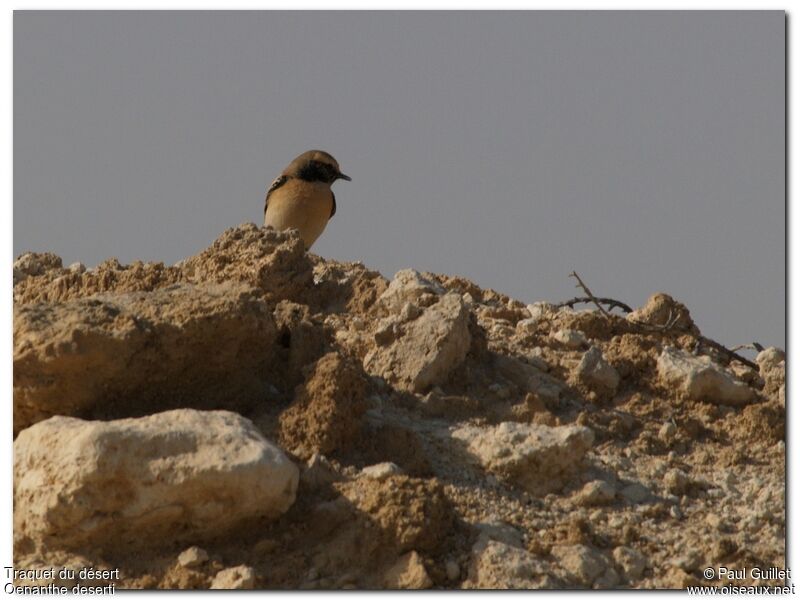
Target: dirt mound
325, 415
418, 432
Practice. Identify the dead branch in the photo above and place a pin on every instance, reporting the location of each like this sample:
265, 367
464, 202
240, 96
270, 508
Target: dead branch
589, 293
668, 327
729, 353
751, 346
610, 302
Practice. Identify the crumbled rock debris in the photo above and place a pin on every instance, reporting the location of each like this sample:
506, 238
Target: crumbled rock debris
258, 417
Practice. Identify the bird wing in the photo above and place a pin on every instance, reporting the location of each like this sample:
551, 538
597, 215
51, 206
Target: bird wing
333, 205
278, 182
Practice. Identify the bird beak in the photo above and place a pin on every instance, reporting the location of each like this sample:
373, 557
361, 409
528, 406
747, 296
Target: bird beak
343, 176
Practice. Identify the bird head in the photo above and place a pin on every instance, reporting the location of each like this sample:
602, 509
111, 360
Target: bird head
315, 165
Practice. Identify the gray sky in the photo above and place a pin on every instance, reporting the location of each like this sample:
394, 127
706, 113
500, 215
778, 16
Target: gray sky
643, 150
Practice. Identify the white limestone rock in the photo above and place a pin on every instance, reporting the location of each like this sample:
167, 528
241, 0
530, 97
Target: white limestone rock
570, 338
409, 285
700, 378
241, 577
769, 359
381, 471
596, 493
498, 566
192, 557
583, 564
182, 474
427, 349
631, 562
594, 372
535, 457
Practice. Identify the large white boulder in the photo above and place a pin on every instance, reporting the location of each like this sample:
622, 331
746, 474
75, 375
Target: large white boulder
181, 474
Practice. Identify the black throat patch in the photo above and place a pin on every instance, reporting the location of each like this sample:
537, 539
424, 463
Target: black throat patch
315, 170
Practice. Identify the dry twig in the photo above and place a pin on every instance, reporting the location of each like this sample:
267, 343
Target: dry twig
668, 327
610, 302
729, 353
588, 292
751, 346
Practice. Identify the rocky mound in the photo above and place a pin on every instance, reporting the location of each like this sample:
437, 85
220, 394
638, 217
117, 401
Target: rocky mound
259, 417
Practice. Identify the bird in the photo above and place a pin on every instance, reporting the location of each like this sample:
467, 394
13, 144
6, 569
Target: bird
301, 197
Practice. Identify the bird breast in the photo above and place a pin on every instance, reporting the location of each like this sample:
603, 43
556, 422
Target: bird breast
305, 206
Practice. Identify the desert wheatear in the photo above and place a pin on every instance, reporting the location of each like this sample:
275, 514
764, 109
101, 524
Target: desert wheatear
301, 197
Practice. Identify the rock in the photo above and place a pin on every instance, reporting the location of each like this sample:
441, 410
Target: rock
699, 378
571, 338
536, 457
192, 557
409, 312
407, 286
607, 580
178, 475
769, 359
540, 310
318, 472
408, 573
325, 415
716, 523
667, 432
60, 285
327, 516
635, 493
37, 263
529, 378
497, 566
500, 532
661, 309
631, 562
452, 570
411, 513
391, 398
76, 267
584, 564
381, 471
136, 353
388, 330
596, 493
275, 262
594, 372
689, 561
435, 404
527, 326
431, 347
676, 481
772, 367
344, 287
235, 578
537, 362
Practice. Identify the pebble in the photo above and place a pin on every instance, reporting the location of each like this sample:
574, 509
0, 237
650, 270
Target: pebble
596, 493
192, 557
241, 577
452, 569
635, 493
667, 432
570, 338
381, 471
